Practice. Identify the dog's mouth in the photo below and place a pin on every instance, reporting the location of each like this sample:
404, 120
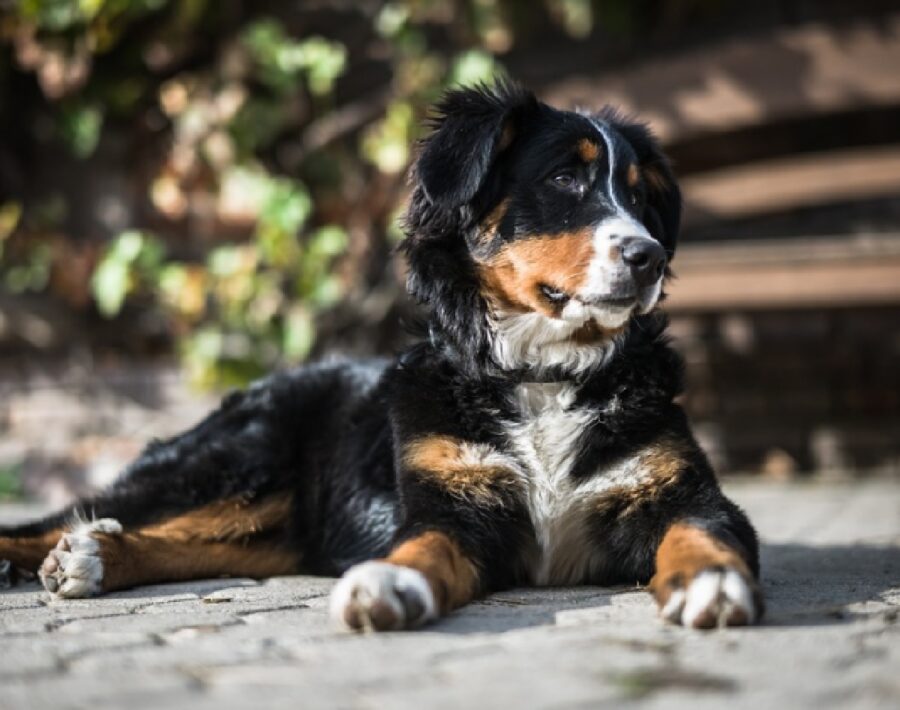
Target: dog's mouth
556, 296
613, 302
592, 333
561, 298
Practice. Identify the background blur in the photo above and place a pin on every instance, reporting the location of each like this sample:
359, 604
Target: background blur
195, 192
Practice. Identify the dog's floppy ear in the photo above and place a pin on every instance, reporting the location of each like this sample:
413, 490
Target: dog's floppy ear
662, 214
471, 127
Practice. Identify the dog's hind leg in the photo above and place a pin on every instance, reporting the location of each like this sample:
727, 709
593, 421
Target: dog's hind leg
216, 500
234, 537
24, 552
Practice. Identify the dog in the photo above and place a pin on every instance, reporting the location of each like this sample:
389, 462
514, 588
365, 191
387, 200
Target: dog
531, 437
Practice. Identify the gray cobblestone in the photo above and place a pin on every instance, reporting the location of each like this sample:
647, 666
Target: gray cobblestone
831, 560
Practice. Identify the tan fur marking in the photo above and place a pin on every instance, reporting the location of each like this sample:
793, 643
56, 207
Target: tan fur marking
217, 540
452, 576
665, 461
133, 559
633, 175
224, 521
487, 230
447, 461
588, 150
28, 552
592, 333
512, 278
685, 551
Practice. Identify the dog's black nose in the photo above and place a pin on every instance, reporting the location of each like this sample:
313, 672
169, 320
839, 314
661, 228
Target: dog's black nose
645, 257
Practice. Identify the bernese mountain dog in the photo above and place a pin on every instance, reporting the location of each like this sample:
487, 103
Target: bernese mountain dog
531, 437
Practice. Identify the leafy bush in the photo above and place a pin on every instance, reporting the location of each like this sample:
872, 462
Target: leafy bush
255, 163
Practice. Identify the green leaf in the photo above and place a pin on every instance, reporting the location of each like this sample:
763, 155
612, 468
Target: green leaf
10, 214
386, 144
127, 246
207, 344
299, 333
327, 291
472, 67
80, 128
33, 273
286, 207
282, 61
110, 284
11, 482
324, 62
225, 261
131, 255
392, 18
328, 241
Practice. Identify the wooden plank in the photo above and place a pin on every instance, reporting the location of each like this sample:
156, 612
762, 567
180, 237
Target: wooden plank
808, 273
809, 69
777, 185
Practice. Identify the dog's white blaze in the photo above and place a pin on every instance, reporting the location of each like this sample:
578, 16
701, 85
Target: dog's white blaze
621, 224
603, 272
548, 441
611, 176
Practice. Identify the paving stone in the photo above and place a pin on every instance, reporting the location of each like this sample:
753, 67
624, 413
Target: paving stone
831, 638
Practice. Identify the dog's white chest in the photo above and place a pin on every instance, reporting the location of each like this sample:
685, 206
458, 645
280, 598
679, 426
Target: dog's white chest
547, 442
547, 437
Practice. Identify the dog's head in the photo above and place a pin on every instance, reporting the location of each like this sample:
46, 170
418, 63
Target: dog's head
535, 232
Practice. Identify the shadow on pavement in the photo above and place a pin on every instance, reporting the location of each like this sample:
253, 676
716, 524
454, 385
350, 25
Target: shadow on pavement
805, 585
817, 585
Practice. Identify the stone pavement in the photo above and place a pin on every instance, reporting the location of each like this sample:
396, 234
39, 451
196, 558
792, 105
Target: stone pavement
831, 561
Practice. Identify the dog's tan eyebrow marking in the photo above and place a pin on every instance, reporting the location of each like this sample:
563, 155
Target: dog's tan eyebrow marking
633, 175
588, 150
507, 136
476, 472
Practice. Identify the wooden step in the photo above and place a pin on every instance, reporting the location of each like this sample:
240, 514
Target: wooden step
788, 273
775, 186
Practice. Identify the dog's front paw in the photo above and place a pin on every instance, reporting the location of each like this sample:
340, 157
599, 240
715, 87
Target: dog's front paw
382, 597
715, 596
74, 568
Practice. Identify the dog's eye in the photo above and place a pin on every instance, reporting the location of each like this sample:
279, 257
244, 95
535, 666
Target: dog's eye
634, 199
565, 181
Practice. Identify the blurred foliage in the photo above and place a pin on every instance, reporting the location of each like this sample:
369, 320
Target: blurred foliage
254, 144
10, 482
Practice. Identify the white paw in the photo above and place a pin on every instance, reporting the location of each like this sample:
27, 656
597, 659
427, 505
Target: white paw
73, 569
380, 596
715, 597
